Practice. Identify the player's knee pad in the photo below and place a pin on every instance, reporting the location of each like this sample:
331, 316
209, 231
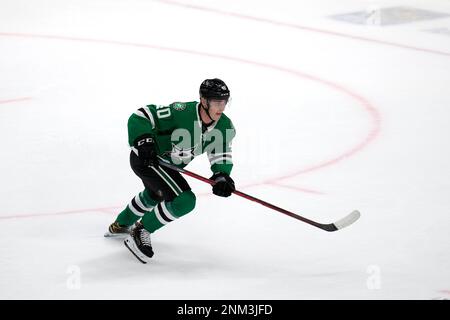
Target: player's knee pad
183, 203
150, 196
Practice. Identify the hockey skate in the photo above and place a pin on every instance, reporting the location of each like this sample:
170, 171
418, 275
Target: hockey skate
117, 231
138, 242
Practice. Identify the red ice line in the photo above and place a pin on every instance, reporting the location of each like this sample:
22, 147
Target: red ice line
300, 27
274, 181
14, 100
369, 108
105, 210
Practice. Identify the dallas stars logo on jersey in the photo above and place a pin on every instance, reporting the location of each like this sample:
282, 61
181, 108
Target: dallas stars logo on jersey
181, 154
178, 106
180, 137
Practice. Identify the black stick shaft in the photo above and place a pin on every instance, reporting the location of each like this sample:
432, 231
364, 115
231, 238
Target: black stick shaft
249, 197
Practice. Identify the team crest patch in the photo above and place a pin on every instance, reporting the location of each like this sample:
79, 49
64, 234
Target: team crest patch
181, 154
179, 106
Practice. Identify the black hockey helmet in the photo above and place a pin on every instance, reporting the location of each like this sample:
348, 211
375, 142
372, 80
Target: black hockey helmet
214, 89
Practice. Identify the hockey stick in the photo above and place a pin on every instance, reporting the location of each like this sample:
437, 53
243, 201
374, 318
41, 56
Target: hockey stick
340, 224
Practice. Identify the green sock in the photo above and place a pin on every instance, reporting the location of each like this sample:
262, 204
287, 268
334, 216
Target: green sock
166, 212
136, 209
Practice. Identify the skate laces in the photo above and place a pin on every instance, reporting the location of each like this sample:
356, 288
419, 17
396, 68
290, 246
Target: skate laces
145, 237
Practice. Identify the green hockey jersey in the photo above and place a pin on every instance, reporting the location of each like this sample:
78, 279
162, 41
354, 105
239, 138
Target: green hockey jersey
180, 136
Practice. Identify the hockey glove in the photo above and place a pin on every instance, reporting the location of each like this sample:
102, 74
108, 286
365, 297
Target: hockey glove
146, 148
224, 184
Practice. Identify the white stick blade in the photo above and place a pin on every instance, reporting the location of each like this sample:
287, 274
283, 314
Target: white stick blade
347, 220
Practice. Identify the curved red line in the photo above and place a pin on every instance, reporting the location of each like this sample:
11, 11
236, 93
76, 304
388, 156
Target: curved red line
364, 102
376, 127
14, 100
372, 111
300, 27
301, 189
35, 215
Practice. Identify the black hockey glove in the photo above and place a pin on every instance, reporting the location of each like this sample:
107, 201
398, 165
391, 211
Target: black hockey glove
224, 184
146, 148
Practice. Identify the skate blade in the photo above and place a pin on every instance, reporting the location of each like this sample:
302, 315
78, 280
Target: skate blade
129, 243
116, 235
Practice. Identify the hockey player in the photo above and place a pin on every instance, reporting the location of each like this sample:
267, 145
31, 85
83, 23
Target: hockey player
175, 134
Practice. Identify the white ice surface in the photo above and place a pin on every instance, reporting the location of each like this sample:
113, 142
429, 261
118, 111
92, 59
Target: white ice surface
325, 124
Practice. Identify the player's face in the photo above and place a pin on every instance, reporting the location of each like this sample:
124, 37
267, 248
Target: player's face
216, 108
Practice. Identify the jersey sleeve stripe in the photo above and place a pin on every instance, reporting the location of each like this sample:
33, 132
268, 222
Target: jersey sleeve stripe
148, 114
213, 156
140, 113
222, 159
